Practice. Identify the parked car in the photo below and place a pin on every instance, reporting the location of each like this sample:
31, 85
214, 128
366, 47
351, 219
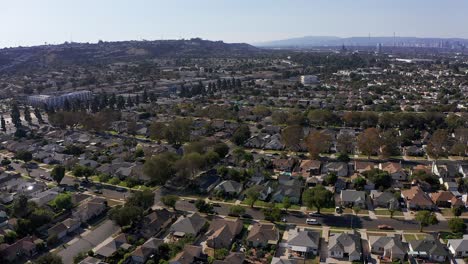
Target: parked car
312, 221
316, 214
385, 227
338, 210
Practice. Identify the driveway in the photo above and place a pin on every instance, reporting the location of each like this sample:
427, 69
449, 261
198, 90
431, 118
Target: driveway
88, 240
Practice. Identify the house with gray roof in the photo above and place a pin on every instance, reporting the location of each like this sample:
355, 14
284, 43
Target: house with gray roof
185, 225
339, 168
429, 248
384, 199
351, 198
388, 247
276, 260
229, 187
458, 247
345, 246
303, 243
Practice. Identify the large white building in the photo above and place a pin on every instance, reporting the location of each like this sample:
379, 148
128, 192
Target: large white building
58, 101
309, 79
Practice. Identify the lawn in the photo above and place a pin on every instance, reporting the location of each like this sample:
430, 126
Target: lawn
446, 212
386, 212
410, 237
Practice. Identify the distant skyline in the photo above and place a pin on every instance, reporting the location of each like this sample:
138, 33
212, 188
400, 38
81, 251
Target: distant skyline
33, 22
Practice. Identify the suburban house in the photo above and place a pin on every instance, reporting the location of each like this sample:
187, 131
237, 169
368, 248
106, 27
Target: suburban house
384, 199
22, 247
284, 165
351, 198
108, 249
188, 225
416, 199
229, 187
188, 255
207, 182
429, 248
156, 221
90, 209
291, 189
395, 170
232, 258
458, 247
63, 228
141, 254
345, 246
262, 235
389, 248
363, 166
443, 198
339, 168
276, 260
308, 168
222, 232
303, 243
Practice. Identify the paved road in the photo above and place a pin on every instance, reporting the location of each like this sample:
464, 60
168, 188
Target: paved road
89, 240
342, 221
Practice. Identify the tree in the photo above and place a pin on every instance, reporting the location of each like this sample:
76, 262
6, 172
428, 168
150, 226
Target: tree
236, 210
389, 145
125, 215
318, 142
359, 183
222, 149
27, 114
286, 203
317, 197
189, 164
437, 145
63, 201
241, 134
159, 168
20, 206
457, 210
83, 171
3, 124
15, 115
203, 207
252, 194
272, 213
368, 141
49, 258
170, 200
357, 209
425, 218
57, 173
291, 136
330, 179
23, 155
457, 225
178, 131
143, 199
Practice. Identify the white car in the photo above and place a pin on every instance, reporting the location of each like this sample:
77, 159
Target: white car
312, 221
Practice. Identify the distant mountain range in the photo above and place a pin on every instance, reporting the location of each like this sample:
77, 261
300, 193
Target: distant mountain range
321, 41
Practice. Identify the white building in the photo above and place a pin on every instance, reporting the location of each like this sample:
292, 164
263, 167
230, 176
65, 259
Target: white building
309, 79
57, 101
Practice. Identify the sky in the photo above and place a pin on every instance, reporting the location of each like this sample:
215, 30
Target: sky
35, 22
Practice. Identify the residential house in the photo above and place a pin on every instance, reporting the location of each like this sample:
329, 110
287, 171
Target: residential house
363, 166
291, 189
390, 248
339, 168
284, 165
156, 221
90, 209
345, 246
442, 198
262, 235
229, 187
445, 172
384, 199
190, 254
458, 247
92, 260
463, 170
416, 199
188, 225
352, 198
45, 197
222, 232
303, 243
232, 258
308, 168
395, 170
108, 249
23, 247
142, 253
277, 260
429, 248
63, 228
207, 182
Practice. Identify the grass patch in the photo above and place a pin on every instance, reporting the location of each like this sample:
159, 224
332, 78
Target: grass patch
386, 212
410, 237
446, 212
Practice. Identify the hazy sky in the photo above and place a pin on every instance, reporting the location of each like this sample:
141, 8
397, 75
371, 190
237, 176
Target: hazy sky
29, 22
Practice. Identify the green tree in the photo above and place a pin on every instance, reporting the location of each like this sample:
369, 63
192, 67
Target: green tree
160, 168
359, 183
63, 201
368, 142
170, 200
49, 258
236, 210
317, 197
457, 210
425, 218
291, 136
27, 114
3, 124
125, 215
222, 149
15, 114
437, 145
241, 134
203, 207
457, 225
83, 171
143, 199
286, 203
57, 173
252, 194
